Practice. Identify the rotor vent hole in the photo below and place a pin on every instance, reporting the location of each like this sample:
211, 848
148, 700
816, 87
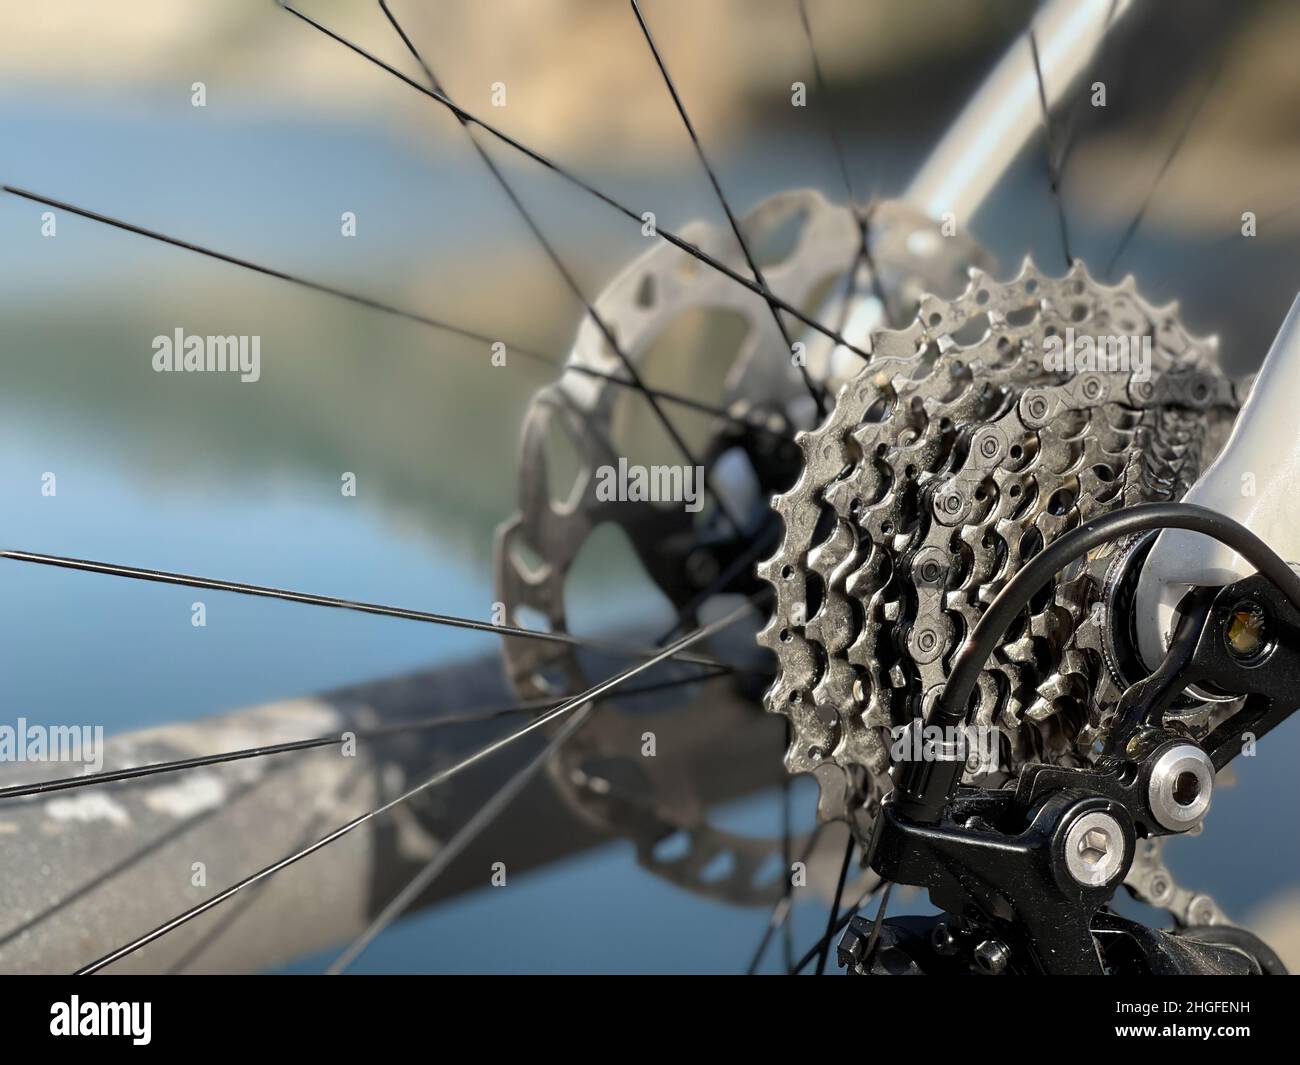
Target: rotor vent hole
694, 355
768, 871
532, 619
722, 866
672, 848
528, 561
645, 292
566, 477
772, 240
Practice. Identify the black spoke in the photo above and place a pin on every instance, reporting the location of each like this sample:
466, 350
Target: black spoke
1215, 255
816, 949
311, 599
764, 541
880, 918
1176, 146
270, 271
135, 857
483, 818
379, 305
436, 779
469, 717
571, 282
863, 217
664, 234
866, 219
221, 927
778, 919
822, 91
787, 821
824, 943
835, 906
1073, 119
1053, 175
817, 396
780, 916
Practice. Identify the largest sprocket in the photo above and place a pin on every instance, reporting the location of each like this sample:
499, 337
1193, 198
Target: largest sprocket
958, 451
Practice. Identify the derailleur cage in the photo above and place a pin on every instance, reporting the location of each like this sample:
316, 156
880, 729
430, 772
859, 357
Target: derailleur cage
1025, 874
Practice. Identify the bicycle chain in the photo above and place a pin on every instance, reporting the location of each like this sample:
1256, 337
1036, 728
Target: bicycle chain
950, 459
1149, 880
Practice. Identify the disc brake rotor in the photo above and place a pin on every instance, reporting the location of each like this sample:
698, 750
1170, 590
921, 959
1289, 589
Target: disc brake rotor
823, 269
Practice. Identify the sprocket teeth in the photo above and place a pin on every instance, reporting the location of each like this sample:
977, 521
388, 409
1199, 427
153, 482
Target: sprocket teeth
899, 446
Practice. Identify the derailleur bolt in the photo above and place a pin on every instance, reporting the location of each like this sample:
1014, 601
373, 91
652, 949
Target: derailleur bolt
943, 940
992, 957
1095, 849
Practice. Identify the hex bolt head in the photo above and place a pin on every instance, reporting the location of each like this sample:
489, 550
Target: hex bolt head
943, 940
1094, 849
992, 957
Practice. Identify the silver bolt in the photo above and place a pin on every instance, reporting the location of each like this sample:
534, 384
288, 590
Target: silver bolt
943, 940
1094, 849
992, 957
1180, 787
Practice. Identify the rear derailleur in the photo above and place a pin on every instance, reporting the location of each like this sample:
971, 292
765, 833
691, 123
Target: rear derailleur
1026, 875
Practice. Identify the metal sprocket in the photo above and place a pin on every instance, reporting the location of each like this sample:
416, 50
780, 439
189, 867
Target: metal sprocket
958, 452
